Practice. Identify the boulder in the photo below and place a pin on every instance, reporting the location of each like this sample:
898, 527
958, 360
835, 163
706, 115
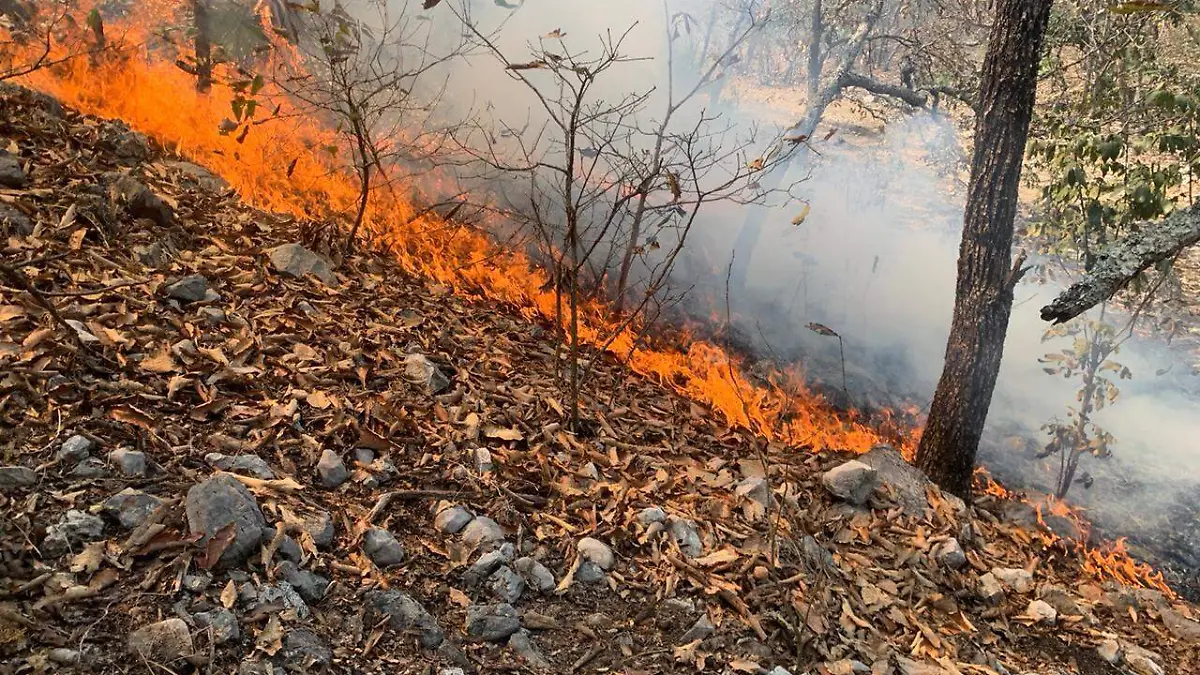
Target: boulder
852, 481
482, 532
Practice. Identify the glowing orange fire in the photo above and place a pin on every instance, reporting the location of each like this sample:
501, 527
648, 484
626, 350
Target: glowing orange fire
276, 168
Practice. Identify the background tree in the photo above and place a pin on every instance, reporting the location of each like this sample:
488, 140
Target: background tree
986, 275
36, 35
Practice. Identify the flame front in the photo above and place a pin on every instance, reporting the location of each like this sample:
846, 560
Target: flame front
278, 167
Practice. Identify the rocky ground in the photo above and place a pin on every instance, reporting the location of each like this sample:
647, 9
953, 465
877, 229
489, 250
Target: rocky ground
223, 453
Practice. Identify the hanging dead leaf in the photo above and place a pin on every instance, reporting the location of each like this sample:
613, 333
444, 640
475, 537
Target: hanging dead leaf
673, 184
556, 34
800, 218
532, 65
504, 434
215, 547
755, 164
822, 329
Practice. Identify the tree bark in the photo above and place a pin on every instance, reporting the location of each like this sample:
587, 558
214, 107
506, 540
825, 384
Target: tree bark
203, 46
1123, 261
986, 276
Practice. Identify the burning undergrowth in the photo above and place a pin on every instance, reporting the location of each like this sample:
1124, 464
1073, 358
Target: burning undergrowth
279, 166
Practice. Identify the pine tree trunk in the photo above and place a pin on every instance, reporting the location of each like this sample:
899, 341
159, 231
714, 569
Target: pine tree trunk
203, 46
983, 295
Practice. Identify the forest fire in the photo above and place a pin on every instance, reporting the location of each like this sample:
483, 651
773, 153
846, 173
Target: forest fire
277, 166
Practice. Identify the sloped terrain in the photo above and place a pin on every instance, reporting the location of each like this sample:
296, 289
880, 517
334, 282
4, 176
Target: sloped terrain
221, 455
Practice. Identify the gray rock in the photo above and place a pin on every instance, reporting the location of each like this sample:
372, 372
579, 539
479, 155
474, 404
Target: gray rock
1015, 578
304, 650
755, 489
652, 514
382, 548
309, 585
535, 574
250, 465
75, 529
363, 456
17, 476
128, 462
126, 143
162, 642
482, 531
1110, 650
92, 467
1183, 628
287, 595
907, 482
219, 502
331, 471
11, 173
492, 623
488, 563
403, 613
420, 370
153, 255
506, 585
1041, 612
14, 221
75, 449
141, 202
598, 552
686, 535
452, 520
851, 481
223, 624
990, 589
319, 526
522, 643
1060, 600
817, 555
699, 630
589, 573
200, 176
130, 507
950, 554
196, 582
483, 460
192, 288
65, 657
1141, 661
289, 549
297, 261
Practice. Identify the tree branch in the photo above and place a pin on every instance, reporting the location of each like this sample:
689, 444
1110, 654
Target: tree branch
912, 97
1124, 260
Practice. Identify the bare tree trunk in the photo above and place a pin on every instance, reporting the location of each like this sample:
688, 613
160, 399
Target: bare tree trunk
986, 276
203, 46
816, 33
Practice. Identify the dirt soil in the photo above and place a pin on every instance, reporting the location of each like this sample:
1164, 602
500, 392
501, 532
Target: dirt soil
326, 390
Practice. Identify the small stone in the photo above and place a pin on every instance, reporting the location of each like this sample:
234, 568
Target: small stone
492, 622
219, 502
130, 507
404, 613
304, 650
1017, 579
535, 574
17, 476
320, 527
535, 621
65, 657
297, 261
652, 514
589, 573
286, 594
11, 173
288, 549
1183, 628
331, 469
851, 481
202, 177
309, 585
483, 460
91, 467
1058, 598
69, 534
251, 465
598, 552
223, 624
128, 462
817, 555
363, 456
990, 589
755, 489
1110, 650
481, 532
687, 537
487, 564
75, 449
779, 670
192, 288
1142, 662
699, 630
950, 554
382, 548
522, 643
14, 221
452, 520
1041, 612
153, 255
421, 371
196, 582
164, 642
506, 585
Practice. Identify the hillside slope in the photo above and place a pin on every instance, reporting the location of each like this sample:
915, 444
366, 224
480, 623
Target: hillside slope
228, 457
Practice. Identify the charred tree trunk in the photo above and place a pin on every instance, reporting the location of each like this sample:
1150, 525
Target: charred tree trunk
203, 46
986, 276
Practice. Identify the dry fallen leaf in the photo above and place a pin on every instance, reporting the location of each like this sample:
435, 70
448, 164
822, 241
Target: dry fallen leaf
159, 363
216, 546
270, 640
459, 598
319, 400
89, 559
229, 595
503, 433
